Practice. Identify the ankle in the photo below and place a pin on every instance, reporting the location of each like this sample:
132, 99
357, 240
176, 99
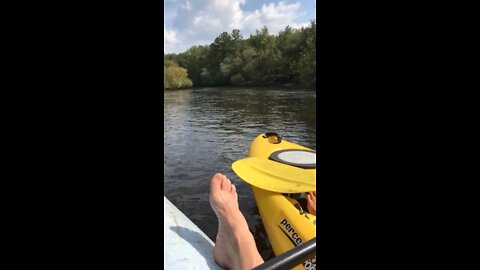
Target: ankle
233, 218
246, 249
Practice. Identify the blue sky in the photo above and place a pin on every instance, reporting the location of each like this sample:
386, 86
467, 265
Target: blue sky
199, 22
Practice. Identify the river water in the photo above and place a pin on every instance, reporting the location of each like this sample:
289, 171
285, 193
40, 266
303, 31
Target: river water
207, 129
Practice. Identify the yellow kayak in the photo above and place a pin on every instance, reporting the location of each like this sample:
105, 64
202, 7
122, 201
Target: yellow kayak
274, 168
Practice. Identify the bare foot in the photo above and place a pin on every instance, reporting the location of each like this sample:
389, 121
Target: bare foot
235, 246
312, 202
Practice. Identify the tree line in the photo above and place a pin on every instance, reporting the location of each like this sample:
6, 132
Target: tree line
262, 59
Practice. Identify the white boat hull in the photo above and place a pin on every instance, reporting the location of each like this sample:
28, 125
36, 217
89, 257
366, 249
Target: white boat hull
185, 245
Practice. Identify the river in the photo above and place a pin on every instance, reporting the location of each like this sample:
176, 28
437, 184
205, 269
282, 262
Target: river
207, 129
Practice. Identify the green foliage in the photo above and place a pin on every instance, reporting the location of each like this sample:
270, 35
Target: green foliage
237, 80
175, 77
261, 59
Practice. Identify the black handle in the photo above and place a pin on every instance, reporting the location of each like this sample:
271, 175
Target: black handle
273, 134
292, 257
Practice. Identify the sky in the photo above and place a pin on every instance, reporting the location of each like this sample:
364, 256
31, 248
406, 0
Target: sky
199, 22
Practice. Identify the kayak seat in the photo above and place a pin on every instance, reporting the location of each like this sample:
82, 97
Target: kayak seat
305, 159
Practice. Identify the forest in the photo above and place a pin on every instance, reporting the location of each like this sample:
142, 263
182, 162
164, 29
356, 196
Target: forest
262, 59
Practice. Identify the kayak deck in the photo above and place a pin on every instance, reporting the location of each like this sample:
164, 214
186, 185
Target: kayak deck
185, 245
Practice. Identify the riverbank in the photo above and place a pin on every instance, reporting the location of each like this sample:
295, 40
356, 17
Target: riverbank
282, 86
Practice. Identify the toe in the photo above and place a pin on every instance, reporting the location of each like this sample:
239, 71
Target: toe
234, 192
216, 181
226, 184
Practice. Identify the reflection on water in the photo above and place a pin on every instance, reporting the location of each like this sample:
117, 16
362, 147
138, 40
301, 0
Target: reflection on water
207, 129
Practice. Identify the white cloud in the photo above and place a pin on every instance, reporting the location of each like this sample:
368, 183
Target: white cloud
199, 22
169, 36
300, 25
187, 5
275, 17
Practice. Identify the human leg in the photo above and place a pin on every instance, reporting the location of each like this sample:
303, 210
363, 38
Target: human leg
235, 246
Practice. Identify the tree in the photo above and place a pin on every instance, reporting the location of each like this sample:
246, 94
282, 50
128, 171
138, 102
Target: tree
175, 77
261, 59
